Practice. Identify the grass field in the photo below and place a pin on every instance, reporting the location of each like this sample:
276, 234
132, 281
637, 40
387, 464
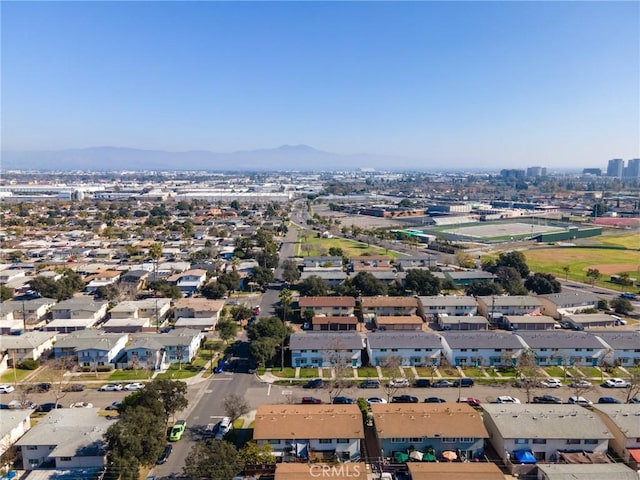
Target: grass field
314, 246
552, 260
627, 240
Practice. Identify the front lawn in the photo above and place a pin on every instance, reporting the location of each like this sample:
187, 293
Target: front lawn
555, 372
507, 372
308, 373
367, 372
120, 375
314, 246
425, 372
473, 372
288, 372
449, 371
591, 372
186, 370
12, 375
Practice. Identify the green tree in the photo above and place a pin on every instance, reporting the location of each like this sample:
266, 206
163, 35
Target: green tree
165, 289
368, 285
566, 269
263, 349
214, 290
262, 276
267, 327
422, 282
214, 460
621, 305
227, 329
314, 286
286, 299
172, 394
336, 252
483, 288
6, 293
290, 272
594, 275
231, 280
512, 259
254, 454
510, 280
542, 283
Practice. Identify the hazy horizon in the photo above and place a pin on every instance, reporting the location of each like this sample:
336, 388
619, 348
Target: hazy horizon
431, 84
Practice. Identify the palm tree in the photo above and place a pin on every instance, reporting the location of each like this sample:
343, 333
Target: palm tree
286, 298
155, 252
566, 269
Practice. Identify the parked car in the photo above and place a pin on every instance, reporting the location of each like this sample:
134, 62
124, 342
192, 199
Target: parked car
616, 383
21, 404
583, 402
47, 407
372, 400
177, 430
370, 384
113, 405
547, 399
73, 387
343, 400
608, 400
316, 383
39, 388
442, 384
463, 382
399, 383
404, 399
6, 388
165, 454
551, 383
422, 383
474, 402
581, 384
635, 400
223, 428
110, 387
434, 400
628, 295
310, 401
507, 399
81, 405
133, 386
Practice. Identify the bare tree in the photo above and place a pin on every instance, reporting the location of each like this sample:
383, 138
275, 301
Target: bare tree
58, 371
235, 406
390, 366
527, 373
634, 384
339, 360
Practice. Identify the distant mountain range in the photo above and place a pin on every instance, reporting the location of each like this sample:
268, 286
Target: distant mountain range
286, 157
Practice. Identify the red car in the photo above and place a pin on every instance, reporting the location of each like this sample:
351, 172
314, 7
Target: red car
474, 402
311, 401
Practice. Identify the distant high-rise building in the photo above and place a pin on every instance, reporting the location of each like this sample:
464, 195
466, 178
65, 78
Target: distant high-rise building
536, 172
633, 169
615, 167
592, 171
512, 173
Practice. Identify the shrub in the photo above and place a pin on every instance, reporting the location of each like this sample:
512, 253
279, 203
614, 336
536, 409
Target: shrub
29, 364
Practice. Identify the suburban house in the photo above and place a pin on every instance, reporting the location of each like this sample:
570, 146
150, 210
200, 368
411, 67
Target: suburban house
134, 280
310, 431
70, 325
454, 470
557, 305
333, 276
13, 425
322, 262
370, 263
79, 308
451, 305
92, 348
28, 346
322, 323
190, 281
34, 311
179, 345
528, 322
481, 349
623, 421
585, 321
408, 348
373, 307
127, 325
405, 322
497, 306
623, 347
429, 428
329, 306
151, 308
66, 438
198, 308
144, 351
463, 279
326, 349
416, 263
543, 430
473, 322
101, 279
570, 471
564, 347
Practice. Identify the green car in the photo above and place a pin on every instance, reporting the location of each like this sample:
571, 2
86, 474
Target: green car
177, 430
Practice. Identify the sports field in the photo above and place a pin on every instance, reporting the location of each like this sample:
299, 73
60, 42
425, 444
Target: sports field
502, 231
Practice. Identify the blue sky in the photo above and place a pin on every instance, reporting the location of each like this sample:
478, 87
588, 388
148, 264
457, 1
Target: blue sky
448, 83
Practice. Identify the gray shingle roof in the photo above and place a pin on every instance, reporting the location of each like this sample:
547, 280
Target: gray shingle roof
324, 341
509, 300
621, 340
26, 340
482, 340
561, 339
625, 417
570, 298
391, 339
448, 301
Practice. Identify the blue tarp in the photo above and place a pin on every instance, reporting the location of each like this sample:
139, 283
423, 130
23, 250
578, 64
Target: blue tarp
524, 456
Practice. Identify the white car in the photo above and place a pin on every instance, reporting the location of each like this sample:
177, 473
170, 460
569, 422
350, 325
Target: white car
133, 386
6, 388
81, 405
616, 383
552, 383
583, 402
507, 399
399, 383
223, 428
373, 400
581, 384
110, 387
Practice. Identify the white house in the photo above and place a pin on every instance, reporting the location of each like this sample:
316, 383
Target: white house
564, 347
179, 345
450, 305
623, 347
410, 348
481, 348
13, 425
624, 423
198, 308
544, 430
190, 281
28, 346
497, 306
147, 308
66, 438
79, 308
558, 304
326, 349
91, 347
